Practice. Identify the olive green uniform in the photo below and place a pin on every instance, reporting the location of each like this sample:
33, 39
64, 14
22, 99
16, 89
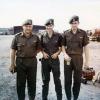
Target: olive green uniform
26, 63
51, 46
74, 44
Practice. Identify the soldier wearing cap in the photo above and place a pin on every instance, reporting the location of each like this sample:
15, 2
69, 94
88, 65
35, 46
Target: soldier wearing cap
75, 40
24, 49
51, 48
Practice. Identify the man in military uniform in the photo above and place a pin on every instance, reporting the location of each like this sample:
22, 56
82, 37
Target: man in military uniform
51, 48
75, 41
23, 57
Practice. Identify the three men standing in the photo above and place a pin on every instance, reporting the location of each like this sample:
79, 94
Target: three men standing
25, 46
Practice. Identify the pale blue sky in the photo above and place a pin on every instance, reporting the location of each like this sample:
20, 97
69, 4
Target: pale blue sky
14, 12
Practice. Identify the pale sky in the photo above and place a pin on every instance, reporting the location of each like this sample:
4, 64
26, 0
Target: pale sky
14, 12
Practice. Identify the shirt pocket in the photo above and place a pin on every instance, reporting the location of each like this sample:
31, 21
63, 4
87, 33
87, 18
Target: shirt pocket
20, 46
80, 41
68, 41
34, 43
55, 43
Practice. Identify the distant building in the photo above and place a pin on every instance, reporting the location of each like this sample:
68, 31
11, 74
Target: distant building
16, 29
4, 31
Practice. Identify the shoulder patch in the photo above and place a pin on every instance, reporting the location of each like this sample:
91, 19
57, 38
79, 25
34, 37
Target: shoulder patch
67, 31
18, 34
82, 30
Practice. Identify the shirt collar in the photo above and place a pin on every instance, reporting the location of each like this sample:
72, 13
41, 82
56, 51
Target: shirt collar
22, 34
52, 34
78, 31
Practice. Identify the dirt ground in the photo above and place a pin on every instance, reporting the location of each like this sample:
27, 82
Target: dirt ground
8, 81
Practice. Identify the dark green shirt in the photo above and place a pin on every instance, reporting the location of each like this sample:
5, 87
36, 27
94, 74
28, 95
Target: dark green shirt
25, 47
74, 43
51, 45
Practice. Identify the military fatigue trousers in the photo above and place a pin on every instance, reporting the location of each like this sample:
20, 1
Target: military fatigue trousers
49, 65
26, 71
75, 70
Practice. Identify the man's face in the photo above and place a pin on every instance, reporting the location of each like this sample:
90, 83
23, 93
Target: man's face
74, 25
27, 29
49, 27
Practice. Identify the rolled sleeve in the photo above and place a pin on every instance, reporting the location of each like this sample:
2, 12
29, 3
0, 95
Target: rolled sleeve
42, 46
38, 44
14, 44
85, 39
63, 39
60, 41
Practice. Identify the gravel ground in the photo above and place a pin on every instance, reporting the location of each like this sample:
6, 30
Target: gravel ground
8, 81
